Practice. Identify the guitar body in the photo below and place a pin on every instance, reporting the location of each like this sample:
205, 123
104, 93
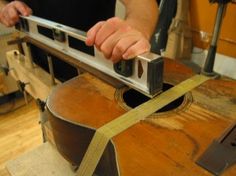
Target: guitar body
165, 144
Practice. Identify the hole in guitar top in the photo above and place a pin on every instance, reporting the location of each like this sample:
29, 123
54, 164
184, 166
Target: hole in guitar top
131, 98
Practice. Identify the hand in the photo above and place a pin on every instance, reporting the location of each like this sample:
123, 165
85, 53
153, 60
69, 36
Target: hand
9, 15
117, 39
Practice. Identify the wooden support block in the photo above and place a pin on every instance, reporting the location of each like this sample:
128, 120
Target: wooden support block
39, 83
48, 133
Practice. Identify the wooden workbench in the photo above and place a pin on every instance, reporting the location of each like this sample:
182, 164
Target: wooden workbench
167, 143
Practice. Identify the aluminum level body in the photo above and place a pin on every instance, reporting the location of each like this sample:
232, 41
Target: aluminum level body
144, 73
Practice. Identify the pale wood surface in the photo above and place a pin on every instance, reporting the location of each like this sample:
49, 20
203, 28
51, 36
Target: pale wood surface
33, 163
39, 81
19, 133
8, 81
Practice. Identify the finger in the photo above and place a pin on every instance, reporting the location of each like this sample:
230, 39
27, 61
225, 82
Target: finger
91, 34
22, 8
121, 47
29, 10
110, 42
5, 20
111, 26
138, 48
105, 31
108, 45
12, 16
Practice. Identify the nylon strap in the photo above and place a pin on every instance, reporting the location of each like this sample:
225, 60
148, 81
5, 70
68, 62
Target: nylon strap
120, 124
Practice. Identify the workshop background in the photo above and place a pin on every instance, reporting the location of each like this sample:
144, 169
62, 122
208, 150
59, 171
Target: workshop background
201, 18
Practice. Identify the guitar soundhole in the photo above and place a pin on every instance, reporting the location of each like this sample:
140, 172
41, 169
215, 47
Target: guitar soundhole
133, 98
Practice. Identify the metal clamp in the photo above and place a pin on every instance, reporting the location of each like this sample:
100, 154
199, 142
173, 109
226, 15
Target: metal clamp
221, 154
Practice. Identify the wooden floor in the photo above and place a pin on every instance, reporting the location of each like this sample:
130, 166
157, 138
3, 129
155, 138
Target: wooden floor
19, 132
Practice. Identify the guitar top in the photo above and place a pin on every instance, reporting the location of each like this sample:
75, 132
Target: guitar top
166, 143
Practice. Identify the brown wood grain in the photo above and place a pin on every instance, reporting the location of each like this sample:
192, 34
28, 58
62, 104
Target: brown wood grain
1, 82
19, 133
163, 144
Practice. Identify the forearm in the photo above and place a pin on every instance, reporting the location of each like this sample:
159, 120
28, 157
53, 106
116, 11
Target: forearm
142, 15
